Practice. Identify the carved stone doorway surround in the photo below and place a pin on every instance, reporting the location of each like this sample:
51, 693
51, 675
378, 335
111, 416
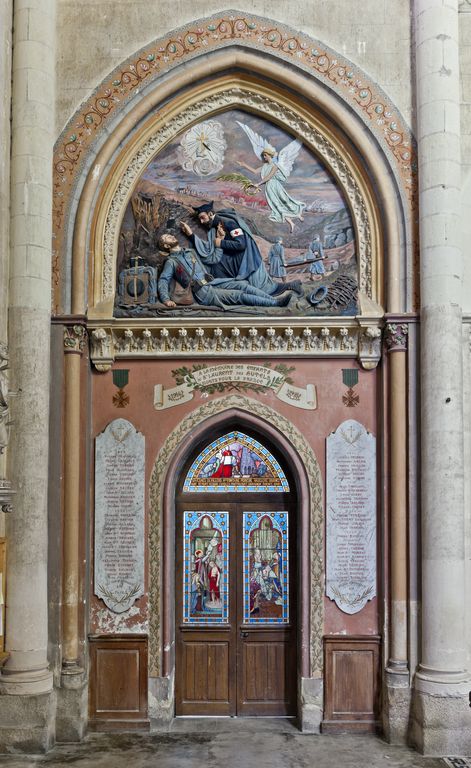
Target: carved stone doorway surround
247, 413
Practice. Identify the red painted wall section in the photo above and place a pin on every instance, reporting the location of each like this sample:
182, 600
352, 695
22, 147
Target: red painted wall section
156, 426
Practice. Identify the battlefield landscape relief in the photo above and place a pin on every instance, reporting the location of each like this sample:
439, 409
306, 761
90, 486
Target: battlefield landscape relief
236, 216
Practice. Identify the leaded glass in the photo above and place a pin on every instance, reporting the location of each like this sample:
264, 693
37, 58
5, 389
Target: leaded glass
233, 463
265, 568
205, 567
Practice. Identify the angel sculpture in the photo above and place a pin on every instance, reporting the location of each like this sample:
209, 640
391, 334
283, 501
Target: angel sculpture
276, 168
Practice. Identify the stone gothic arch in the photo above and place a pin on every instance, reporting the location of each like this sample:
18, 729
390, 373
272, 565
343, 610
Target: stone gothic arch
353, 125
303, 463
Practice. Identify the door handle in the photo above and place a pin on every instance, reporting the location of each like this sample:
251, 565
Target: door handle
244, 634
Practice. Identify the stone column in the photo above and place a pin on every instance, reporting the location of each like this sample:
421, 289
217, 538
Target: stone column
441, 719
6, 25
74, 341
397, 671
72, 695
26, 681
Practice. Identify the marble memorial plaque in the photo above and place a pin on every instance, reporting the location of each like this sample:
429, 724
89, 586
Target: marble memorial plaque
351, 516
119, 515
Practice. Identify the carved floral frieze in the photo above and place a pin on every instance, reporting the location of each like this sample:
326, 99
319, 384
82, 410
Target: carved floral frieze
110, 342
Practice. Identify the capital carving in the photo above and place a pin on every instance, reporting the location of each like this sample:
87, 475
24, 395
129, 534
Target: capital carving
395, 337
74, 339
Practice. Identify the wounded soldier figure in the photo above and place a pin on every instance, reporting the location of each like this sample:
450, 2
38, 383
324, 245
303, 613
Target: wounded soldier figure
185, 267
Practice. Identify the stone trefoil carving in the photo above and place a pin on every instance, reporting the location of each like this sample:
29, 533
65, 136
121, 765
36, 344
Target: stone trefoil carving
269, 107
396, 336
109, 343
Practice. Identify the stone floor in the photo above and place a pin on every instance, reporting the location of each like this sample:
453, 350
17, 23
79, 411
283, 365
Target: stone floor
223, 743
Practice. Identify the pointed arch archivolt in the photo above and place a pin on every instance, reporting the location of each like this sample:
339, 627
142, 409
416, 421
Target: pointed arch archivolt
252, 95
366, 130
307, 474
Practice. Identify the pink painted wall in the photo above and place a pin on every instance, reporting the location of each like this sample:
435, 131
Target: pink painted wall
315, 426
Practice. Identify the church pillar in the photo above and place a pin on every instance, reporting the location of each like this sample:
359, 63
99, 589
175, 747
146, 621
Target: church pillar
6, 24
27, 702
397, 671
441, 723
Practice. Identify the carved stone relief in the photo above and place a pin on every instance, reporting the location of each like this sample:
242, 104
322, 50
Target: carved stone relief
237, 97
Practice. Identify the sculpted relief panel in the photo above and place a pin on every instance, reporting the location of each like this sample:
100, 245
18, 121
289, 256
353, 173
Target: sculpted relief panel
236, 217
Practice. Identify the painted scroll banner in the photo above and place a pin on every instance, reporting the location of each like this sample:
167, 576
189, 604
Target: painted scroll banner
351, 516
258, 375
119, 515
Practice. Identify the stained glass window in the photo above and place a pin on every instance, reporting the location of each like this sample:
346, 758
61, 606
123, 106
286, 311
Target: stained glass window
265, 568
205, 567
233, 463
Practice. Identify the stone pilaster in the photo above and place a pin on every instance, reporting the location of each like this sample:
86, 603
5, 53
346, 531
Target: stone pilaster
441, 722
71, 710
26, 676
397, 690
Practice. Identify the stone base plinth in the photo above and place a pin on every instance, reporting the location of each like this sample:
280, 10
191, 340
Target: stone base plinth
161, 702
397, 696
72, 707
310, 704
441, 725
27, 723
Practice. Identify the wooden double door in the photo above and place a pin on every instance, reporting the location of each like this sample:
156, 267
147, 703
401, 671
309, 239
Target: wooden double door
235, 606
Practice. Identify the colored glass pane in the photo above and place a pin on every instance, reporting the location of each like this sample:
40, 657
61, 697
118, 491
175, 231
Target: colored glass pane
233, 463
205, 566
265, 568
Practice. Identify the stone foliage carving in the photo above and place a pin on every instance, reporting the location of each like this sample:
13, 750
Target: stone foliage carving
6, 491
396, 336
236, 97
4, 407
75, 337
176, 439
111, 343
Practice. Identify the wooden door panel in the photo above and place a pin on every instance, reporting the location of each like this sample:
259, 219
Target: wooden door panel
118, 682
205, 684
352, 673
267, 676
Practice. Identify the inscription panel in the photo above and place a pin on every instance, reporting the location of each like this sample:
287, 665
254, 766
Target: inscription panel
119, 515
351, 516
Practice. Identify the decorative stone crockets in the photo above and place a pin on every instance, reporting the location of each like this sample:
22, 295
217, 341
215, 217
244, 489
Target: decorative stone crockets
361, 340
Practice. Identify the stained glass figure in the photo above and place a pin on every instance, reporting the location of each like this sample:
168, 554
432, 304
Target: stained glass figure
265, 568
205, 564
235, 462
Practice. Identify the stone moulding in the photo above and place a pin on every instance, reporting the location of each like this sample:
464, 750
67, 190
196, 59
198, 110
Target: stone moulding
327, 339
178, 437
259, 103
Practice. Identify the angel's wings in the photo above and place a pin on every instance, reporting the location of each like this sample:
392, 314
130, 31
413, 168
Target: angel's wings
286, 156
258, 142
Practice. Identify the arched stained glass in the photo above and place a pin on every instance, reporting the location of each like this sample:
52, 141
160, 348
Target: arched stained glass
233, 463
